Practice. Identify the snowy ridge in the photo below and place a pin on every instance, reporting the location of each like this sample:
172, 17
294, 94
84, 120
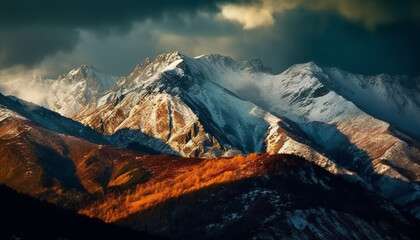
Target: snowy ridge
73, 90
66, 94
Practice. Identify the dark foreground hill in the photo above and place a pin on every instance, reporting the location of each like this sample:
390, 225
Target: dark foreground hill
23, 217
294, 199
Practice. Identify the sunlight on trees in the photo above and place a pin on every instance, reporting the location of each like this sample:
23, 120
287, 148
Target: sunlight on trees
196, 176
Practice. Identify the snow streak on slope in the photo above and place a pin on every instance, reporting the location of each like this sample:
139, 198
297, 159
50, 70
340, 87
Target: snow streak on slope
306, 92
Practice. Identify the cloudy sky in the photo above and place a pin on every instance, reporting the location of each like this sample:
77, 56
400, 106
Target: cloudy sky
361, 36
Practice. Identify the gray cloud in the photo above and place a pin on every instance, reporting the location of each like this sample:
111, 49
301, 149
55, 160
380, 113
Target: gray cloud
329, 40
94, 13
55, 36
33, 30
29, 44
299, 36
371, 13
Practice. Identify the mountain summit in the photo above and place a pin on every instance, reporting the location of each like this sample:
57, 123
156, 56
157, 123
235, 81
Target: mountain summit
211, 106
74, 89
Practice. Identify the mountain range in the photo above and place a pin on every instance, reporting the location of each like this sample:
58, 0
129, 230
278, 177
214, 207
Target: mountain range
100, 135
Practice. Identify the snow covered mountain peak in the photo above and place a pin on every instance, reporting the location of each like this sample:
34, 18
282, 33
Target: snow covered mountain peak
168, 58
74, 89
148, 68
89, 74
304, 68
255, 65
82, 71
251, 66
218, 59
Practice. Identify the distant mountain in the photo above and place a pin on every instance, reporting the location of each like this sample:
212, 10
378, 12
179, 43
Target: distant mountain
66, 94
23, 217
74, 89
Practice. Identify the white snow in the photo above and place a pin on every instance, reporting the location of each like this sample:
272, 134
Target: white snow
389, 98
66, 94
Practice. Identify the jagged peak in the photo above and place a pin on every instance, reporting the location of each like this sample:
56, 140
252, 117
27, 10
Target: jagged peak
173, 54
309, 67
255, 65
84, 70
168, 57
218, 58
162, 61
161, 58
147, 68
88, 75
87, 67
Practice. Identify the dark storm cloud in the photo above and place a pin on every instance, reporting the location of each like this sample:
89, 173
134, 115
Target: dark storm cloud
94, 13
29, 44
362, 36
330, 40
302, 35
32, 30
